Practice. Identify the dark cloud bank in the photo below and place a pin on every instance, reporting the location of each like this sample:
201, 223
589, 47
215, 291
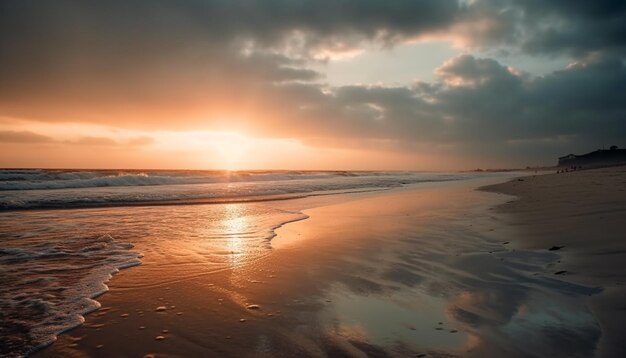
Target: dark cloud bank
143, 63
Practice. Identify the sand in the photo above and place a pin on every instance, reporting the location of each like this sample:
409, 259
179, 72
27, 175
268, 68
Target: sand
584, 213
428, 270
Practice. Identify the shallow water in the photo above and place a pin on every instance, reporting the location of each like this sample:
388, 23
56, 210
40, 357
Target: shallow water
53, 262
411, 272
479, 304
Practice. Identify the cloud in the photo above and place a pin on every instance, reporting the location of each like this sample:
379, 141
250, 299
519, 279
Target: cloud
487, 108
572, 27
578, 27
237, 64
8, 136
588, 99
28, 137
466, 70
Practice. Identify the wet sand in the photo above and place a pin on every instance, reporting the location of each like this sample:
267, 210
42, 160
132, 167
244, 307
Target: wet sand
429, 270
580, 215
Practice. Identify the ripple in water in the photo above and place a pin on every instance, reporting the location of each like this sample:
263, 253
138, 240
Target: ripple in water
50, 269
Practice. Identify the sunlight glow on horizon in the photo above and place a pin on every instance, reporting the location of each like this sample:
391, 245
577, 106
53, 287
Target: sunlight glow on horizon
97, 146
230, 147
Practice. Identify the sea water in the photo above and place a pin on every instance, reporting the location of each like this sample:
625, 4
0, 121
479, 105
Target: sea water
32, 189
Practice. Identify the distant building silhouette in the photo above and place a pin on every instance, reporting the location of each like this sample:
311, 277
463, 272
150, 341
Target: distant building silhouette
598, 158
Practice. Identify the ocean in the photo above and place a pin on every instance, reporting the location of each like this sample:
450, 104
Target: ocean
40, 189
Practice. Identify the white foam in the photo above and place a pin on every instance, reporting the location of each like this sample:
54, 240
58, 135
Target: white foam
123, 188
40, 179
52, 286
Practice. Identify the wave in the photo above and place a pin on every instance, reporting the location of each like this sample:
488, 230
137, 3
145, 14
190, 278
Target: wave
94, 189
92, 182
48, 179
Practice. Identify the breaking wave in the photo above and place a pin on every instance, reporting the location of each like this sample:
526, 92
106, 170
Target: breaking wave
36, 189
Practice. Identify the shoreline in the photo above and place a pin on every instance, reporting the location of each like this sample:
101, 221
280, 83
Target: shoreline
207, 201
425, 258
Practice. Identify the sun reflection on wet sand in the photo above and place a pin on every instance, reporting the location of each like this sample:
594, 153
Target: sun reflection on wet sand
236, 226
433, 281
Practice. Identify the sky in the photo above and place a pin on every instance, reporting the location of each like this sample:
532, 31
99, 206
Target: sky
298, 84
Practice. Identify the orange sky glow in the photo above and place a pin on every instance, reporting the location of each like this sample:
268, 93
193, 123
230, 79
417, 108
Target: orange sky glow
92, 146
429, 85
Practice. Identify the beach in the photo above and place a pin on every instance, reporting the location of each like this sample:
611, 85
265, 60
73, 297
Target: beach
581, 216
427, 179
430, 269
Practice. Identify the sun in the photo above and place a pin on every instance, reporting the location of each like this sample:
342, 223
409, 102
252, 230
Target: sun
230, 147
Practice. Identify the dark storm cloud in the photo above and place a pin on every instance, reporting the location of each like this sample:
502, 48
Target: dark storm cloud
481, 99
589, 26
585, 99
574, 27
118, 31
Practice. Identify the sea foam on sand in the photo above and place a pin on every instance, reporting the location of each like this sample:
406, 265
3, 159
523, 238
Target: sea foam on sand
47, 286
